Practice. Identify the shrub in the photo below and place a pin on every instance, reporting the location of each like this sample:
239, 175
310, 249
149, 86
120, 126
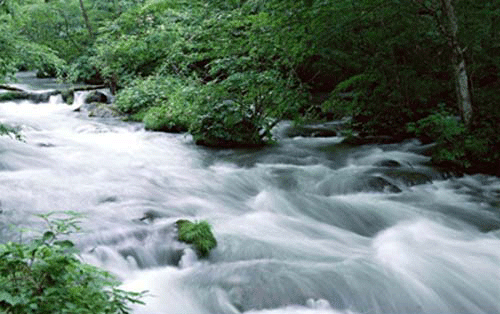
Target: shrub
199, 234
242, 109
146, 93
166, 120
449, 134
230, 124
45, 276
84, 70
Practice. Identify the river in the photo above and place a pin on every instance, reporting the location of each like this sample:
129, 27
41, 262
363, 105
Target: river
308, 226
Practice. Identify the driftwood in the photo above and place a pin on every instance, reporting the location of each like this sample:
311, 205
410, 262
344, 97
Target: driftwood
11, 88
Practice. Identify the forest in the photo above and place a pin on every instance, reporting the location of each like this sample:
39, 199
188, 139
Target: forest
228, 71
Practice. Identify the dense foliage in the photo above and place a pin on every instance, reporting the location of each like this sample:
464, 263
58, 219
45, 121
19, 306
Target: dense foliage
227, 70
45, 276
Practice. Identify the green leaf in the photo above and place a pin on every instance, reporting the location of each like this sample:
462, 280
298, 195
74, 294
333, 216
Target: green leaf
9, 299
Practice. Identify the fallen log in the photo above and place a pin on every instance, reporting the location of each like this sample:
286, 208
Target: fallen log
11, 88
86, 88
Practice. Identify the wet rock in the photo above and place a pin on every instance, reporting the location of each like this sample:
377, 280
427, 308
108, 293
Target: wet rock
108, 199
68, 96
307, 131
348, 185
45, 145
377, 184
389, 163
97, 97
329, 129
34, 97
41, 97
12, 96
284, 179
408, 177
362, 140
99, 110
150, 216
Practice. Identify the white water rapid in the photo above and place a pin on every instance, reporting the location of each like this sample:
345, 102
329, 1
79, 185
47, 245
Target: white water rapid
309, 226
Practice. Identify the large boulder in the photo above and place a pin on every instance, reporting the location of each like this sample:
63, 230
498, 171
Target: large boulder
99, 110
97, 97
68, 96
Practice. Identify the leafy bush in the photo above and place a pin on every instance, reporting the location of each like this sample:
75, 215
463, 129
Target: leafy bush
230, 124
162, 103
146, 93
199, 234
45, 276
83, 70
473, 149
242, 109
166, 119
449, 134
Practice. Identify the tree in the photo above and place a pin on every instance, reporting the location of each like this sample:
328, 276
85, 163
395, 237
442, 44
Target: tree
458, 62
86, 19
448, 24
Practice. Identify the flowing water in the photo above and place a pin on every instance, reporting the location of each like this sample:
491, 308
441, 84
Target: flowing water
307, 226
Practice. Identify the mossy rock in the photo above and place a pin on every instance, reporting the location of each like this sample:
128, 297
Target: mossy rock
68, 96
96, 96
199, 234
10, 96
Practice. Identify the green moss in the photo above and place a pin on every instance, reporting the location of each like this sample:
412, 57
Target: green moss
199, 234
9, 96
68, 96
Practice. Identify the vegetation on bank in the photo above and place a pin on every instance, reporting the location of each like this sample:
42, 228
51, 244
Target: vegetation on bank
45, 275
227, 70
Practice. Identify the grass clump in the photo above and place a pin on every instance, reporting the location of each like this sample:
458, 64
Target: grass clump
199, 234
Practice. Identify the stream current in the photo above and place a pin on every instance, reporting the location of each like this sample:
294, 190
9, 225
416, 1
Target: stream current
308, 226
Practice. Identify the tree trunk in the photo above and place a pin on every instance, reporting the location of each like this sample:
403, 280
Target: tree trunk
458, 60
86, 19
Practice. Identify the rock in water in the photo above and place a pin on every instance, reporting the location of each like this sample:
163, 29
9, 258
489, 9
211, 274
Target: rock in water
199, 234
96, 96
